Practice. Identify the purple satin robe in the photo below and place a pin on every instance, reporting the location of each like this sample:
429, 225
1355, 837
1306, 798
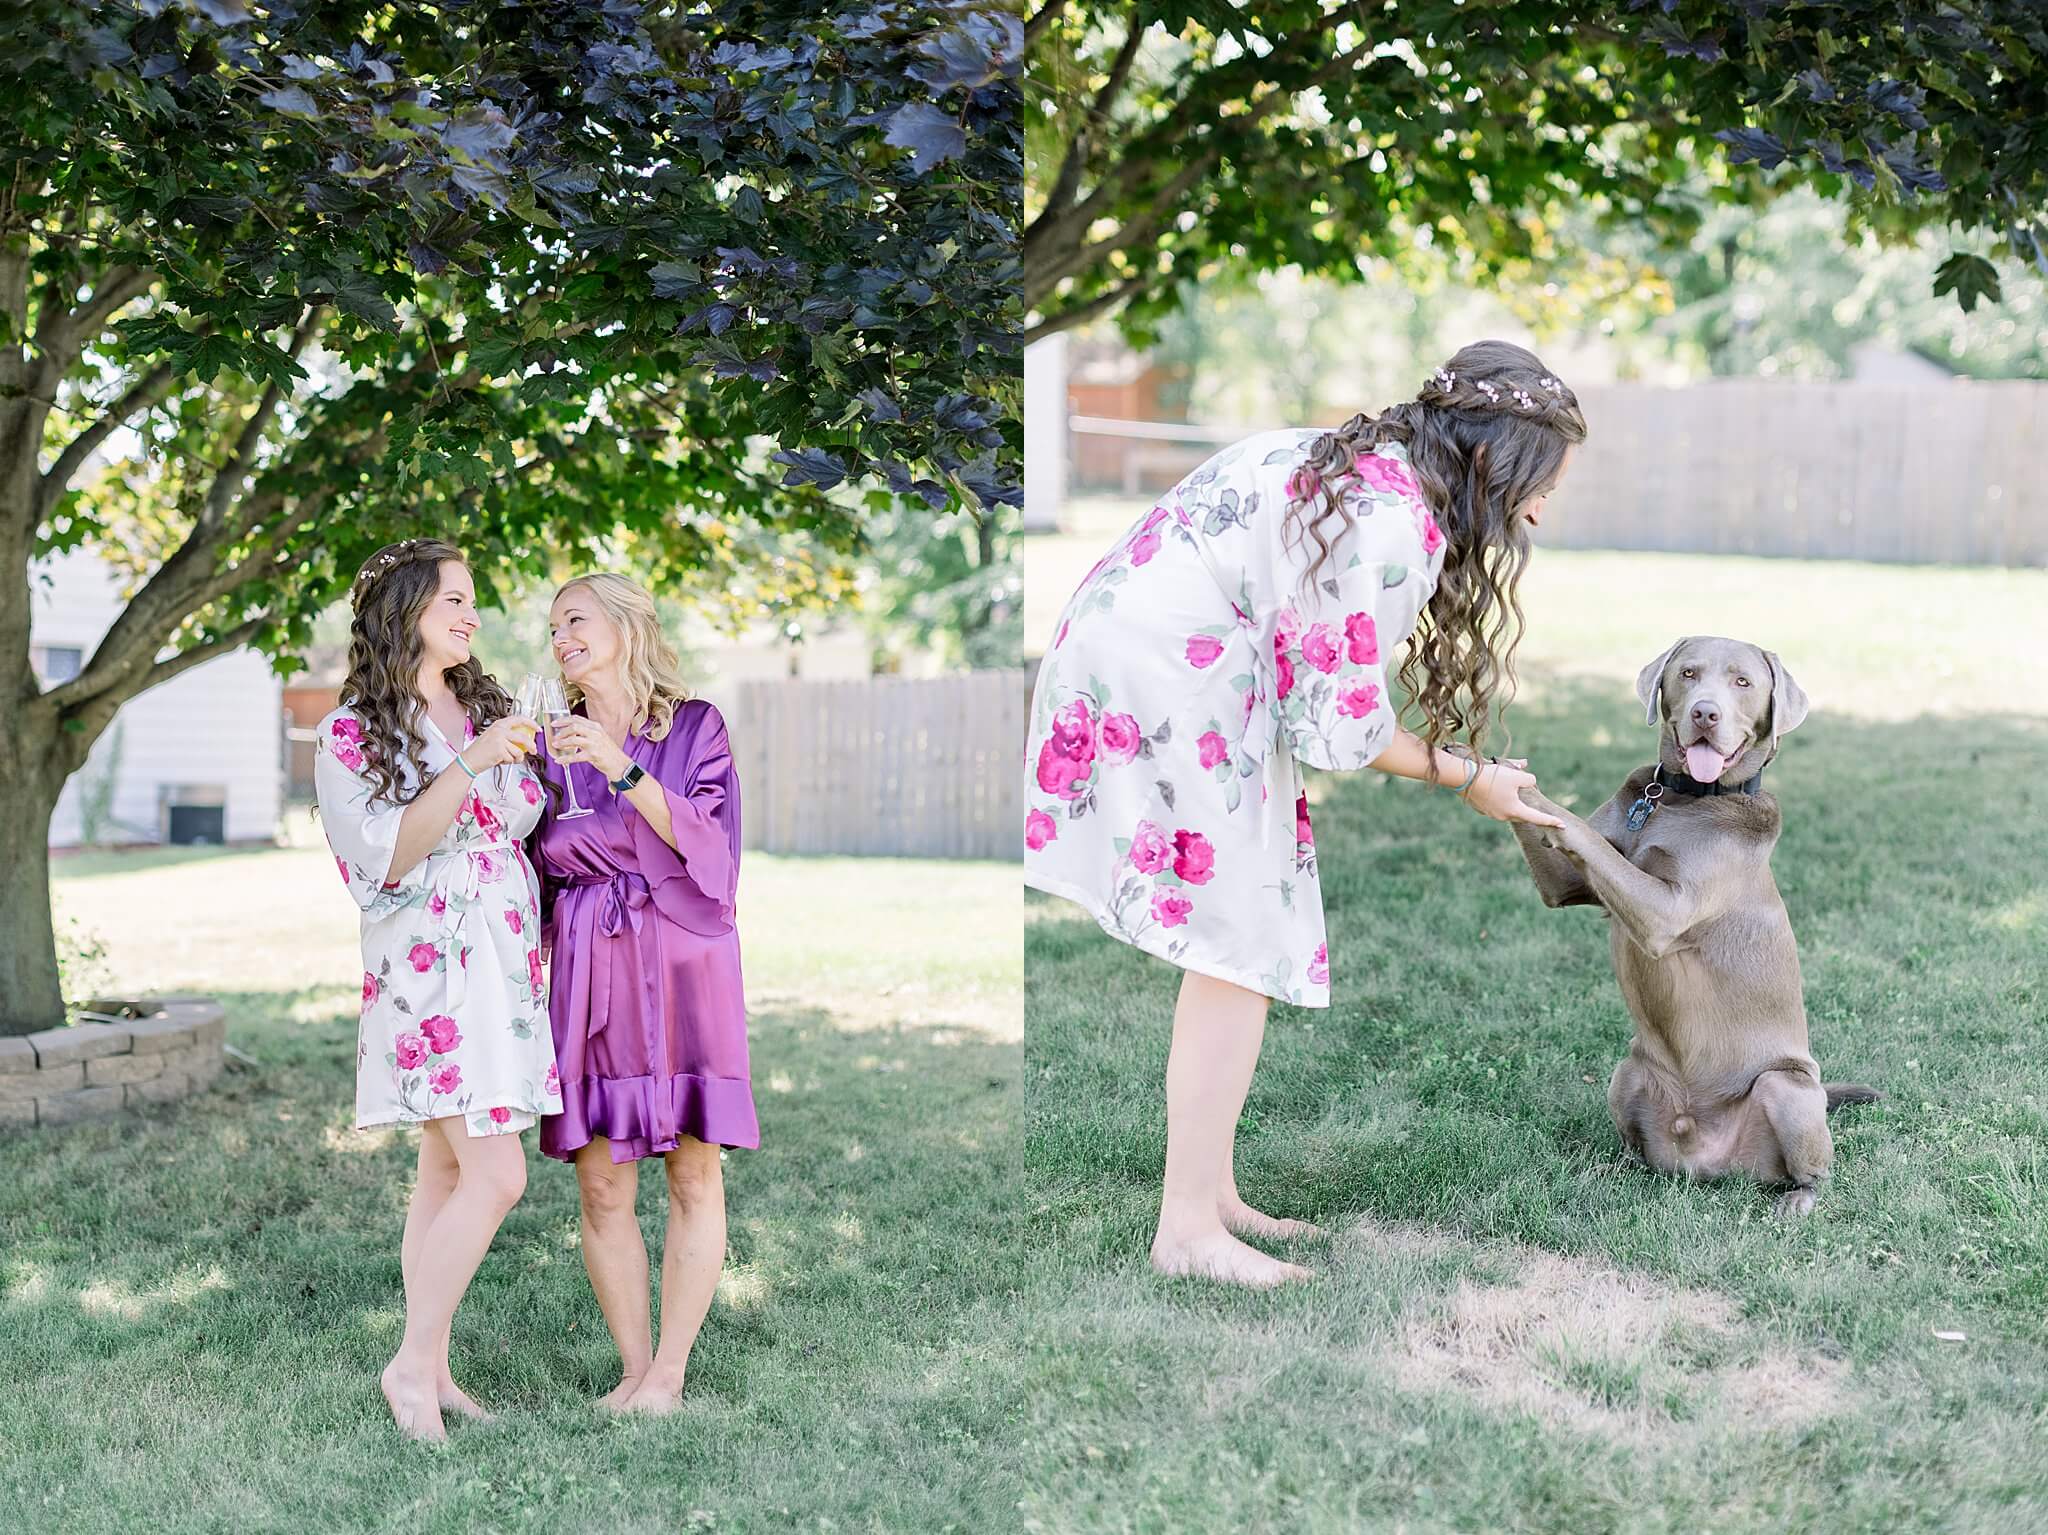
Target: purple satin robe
644, 990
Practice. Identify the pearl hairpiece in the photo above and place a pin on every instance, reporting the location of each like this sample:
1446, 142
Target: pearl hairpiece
376, 569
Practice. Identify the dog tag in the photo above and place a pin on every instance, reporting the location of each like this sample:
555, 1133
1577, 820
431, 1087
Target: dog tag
1639, 812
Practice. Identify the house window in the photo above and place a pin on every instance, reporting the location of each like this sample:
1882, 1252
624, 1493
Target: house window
56, 663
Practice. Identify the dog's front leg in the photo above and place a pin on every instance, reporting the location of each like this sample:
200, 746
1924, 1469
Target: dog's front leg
1557, 875
1654, 912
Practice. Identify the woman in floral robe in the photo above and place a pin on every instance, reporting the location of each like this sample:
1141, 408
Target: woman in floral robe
1242, 628
425, 796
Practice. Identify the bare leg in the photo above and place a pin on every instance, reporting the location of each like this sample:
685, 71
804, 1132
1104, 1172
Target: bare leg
490, 1178
1217, 1031
1246, 1221
691, 1260
430, 1191
616, 1258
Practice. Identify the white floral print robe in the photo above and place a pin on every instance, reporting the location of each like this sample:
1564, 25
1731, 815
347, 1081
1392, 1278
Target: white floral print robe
1188, 676
455, 1017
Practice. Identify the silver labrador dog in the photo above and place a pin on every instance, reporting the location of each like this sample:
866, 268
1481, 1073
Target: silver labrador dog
1719, 1078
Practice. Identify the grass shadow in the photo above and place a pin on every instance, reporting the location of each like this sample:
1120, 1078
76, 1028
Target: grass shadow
1460, 1076
216, 1284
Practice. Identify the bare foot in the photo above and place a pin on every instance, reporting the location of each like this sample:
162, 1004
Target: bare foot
413, 1404
615, 1400
454, 1399
1220, 1256
657, 1396
1243, 1219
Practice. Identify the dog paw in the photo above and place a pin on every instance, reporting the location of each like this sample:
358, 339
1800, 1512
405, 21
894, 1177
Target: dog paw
1795, 1204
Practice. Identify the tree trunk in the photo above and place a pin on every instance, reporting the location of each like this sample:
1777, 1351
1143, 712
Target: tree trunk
31, 997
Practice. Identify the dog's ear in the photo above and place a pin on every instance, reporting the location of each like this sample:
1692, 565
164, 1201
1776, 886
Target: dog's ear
1788, 699
1649, 682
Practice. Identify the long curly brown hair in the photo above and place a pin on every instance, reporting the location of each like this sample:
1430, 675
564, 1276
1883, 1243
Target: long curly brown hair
1485, 435
392, 590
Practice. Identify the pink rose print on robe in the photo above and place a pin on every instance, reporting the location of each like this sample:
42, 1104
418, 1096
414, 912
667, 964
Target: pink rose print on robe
1286, 629
1426, 529
411, 1049
1213, 747
1319, 649
1319, 967
553, 1086
341, 863
490, 867
531, 790
1146, 544
513, 919
1303, 832
1150, 851
1171, 910
1204, 651
422, 956
1194, 858
1283, 669
1362, 639
437, 903
1120, 738
486, 819
369, 988
347, 730
1069, 752
348, 756
442, 1034
1301, 484
1039, 829
500, 1116
533, 969
447, 1079
1384, 474
1357, 703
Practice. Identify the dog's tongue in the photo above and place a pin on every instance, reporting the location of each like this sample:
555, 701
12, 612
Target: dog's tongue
1704, 763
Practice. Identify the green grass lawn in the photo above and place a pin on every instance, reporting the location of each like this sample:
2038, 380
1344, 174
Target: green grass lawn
1515, 1329
198, 1300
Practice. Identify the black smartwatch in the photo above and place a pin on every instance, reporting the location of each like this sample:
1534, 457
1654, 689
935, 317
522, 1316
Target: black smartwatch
631, 776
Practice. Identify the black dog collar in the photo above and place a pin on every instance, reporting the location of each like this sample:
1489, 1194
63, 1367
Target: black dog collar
1658, 786
1691, 789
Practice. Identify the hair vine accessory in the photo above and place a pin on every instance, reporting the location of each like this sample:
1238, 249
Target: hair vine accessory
398, 554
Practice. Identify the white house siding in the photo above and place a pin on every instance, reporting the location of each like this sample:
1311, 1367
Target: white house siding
217, 724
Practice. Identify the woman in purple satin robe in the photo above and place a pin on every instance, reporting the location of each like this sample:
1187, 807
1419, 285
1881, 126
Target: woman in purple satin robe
644, 990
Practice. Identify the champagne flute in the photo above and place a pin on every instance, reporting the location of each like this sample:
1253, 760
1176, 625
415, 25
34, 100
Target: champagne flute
529, 700
554, 708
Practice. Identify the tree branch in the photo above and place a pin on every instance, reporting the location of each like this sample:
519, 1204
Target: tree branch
186, 582
1035, 26
196, 655
62, 333
1078, 151
1081, 314
1063, 233
228, 483
142, 394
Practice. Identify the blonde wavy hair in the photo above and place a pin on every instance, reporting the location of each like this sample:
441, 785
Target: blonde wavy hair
648, 664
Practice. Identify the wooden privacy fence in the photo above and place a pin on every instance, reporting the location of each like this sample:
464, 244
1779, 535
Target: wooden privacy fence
1935, 473
909, 767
